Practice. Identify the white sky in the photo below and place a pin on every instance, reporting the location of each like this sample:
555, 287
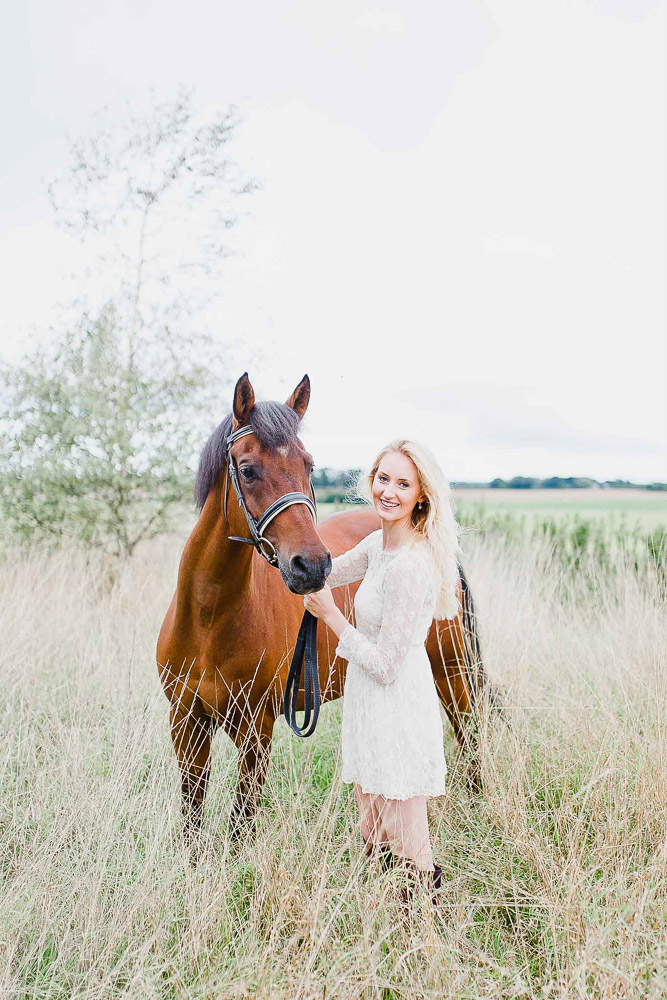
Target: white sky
461, 231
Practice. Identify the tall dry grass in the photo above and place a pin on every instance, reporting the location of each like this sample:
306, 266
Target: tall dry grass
553, 879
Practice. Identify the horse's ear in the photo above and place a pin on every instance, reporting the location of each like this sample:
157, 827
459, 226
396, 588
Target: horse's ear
244, 400
300, 397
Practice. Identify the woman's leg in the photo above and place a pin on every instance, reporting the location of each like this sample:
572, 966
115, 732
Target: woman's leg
404, 824
369, 815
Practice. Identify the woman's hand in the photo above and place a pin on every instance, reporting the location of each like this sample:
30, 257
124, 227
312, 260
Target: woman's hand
321, 604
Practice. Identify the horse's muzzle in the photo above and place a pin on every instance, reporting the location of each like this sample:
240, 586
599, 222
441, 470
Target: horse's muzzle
306, 576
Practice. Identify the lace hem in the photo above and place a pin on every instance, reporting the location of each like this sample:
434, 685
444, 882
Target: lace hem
430, 792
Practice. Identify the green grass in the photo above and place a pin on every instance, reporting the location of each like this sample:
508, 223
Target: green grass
554, 878
623, 509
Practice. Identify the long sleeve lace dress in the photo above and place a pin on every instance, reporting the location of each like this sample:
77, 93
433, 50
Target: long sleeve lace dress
392, 737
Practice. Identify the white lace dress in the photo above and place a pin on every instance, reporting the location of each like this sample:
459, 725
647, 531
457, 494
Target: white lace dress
392, 736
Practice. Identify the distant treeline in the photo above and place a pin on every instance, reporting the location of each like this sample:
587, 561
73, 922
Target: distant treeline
332, 484
564, 483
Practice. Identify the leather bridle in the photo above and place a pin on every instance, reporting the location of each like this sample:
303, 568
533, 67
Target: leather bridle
305, 649
257, 527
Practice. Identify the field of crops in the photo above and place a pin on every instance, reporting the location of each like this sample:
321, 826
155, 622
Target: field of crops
643, 509
554, 878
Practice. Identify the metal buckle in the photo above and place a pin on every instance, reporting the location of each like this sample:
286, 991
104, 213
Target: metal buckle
273, 559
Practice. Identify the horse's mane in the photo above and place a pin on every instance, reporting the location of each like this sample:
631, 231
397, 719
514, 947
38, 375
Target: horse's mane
275, 425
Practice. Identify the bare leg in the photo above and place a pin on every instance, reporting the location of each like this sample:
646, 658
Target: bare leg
370, 829
405, 826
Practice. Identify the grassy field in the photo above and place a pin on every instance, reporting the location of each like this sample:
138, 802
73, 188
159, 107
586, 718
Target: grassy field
553, 878
619, 509
646, 509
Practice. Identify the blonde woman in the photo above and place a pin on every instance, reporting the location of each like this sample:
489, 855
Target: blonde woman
392, 737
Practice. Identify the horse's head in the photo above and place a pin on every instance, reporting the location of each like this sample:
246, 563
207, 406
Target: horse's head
270, 462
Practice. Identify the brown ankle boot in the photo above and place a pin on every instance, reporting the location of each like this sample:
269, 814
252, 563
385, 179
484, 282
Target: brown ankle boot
413, 878
385, 857
436, 880
383, 854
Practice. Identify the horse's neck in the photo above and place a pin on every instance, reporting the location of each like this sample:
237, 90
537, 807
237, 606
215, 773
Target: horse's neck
211, 560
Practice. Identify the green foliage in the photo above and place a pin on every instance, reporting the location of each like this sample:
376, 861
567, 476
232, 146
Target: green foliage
97, 437
336, 486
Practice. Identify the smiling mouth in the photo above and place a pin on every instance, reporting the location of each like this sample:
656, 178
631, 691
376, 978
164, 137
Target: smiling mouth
388, 506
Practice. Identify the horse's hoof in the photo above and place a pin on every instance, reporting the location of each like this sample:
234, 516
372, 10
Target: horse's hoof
241, 829
474, 779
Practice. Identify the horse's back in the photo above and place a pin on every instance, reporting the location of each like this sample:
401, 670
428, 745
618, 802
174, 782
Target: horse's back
342, 531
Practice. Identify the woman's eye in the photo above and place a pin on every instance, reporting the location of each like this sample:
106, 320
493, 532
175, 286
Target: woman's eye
382, 478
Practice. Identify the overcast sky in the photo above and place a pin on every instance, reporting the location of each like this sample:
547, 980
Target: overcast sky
460, 234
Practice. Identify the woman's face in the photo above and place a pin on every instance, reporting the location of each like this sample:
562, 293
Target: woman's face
396, 487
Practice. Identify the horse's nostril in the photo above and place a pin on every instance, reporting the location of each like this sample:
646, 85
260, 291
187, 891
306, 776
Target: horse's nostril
298, 565
309, 569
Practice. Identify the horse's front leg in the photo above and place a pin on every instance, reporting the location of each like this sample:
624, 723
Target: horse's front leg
253, 741
192, 734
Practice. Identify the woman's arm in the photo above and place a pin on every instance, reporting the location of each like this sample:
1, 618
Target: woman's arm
349, 566
408, 583
346, 568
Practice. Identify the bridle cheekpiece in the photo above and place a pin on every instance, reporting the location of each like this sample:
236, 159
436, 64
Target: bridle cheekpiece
264, 546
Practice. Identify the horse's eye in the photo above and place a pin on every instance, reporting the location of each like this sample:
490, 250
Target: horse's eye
247, 472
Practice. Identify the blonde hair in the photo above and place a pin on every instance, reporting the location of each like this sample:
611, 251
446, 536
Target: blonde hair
435, 521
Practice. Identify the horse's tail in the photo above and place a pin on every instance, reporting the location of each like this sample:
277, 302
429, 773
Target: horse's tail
473, 665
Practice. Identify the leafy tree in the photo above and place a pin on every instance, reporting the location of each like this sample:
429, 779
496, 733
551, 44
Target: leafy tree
96, 442
322, 477
523, 483
98, 429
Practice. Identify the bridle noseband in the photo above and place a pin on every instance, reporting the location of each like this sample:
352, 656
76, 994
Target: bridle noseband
305, 650
257, 527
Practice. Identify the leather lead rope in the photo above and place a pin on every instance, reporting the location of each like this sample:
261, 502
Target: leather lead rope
305, 654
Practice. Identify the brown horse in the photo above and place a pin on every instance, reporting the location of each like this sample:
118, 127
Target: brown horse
225, 644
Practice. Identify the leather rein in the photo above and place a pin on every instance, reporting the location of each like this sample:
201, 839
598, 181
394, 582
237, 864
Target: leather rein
305, 650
